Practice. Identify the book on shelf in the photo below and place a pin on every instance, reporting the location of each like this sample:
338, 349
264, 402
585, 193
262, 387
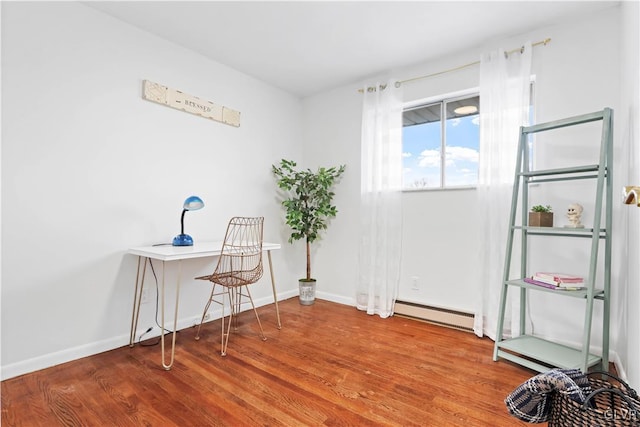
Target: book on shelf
565, 287
540, 283
546, 280
559, 279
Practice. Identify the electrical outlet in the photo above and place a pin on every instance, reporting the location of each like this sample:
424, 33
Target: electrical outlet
145, 296
414, 283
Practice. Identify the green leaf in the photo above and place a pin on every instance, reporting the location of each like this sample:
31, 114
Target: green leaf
307, 198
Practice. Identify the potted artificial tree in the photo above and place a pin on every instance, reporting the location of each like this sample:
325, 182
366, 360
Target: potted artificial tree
308, 208
541, 216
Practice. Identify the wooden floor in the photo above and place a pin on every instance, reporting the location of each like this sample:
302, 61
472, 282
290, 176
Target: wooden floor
329, 365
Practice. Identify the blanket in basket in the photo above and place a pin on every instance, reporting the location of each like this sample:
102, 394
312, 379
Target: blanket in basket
531, 400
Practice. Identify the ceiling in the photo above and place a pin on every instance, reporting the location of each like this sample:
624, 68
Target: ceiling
307, 47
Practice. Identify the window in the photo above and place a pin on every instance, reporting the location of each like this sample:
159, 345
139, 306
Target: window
441, 153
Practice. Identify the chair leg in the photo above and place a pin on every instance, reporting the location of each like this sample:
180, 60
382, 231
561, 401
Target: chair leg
237, 301
264, 338
234, 295
224, 341
204, 313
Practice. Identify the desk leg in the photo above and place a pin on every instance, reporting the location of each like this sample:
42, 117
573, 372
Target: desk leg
273, 286
137, 299
175, 319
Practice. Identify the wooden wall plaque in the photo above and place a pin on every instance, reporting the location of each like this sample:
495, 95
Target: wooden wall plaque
179, 100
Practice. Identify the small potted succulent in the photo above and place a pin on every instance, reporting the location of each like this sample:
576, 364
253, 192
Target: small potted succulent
541, 216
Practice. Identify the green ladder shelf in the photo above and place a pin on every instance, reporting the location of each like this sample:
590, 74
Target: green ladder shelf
526, 349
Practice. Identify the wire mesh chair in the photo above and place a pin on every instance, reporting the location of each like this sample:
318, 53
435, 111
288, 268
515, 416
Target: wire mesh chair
239, 265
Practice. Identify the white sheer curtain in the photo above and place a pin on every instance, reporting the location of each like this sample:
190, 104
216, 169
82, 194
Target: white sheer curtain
380, 198
504, 107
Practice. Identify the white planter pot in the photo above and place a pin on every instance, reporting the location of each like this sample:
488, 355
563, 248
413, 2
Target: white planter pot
307, 291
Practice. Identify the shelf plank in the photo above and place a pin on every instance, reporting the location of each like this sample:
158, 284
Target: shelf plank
563, 171
544, 351
527, 350
570, 121
560, 231
582, 293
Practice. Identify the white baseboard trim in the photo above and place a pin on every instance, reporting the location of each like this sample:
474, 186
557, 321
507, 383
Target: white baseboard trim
615, 359
52, 359
340, 299
49, 360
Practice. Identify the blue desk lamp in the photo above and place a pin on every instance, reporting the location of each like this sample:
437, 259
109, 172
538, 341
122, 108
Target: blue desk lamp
192, 203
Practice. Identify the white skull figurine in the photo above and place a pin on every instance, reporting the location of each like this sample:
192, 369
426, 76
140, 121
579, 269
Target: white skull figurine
574, 212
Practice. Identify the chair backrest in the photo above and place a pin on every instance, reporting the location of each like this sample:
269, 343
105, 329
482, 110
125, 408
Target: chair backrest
241, 258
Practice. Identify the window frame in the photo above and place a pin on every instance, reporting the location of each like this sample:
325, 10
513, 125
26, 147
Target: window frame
441, 99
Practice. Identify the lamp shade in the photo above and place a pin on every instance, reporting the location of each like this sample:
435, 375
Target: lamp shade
192, 203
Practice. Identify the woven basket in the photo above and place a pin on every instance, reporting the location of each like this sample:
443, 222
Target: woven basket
610, 404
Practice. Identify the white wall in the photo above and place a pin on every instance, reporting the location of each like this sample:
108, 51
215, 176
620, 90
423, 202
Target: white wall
75, 129
332, 134
332, 137
90, 169
630, 137
440, 238
578, 72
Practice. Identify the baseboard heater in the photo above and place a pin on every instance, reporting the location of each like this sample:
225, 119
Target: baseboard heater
460, 320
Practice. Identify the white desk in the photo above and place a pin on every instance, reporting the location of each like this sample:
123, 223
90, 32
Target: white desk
166, 253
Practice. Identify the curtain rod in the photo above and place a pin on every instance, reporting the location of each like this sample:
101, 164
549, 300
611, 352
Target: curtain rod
460, 67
